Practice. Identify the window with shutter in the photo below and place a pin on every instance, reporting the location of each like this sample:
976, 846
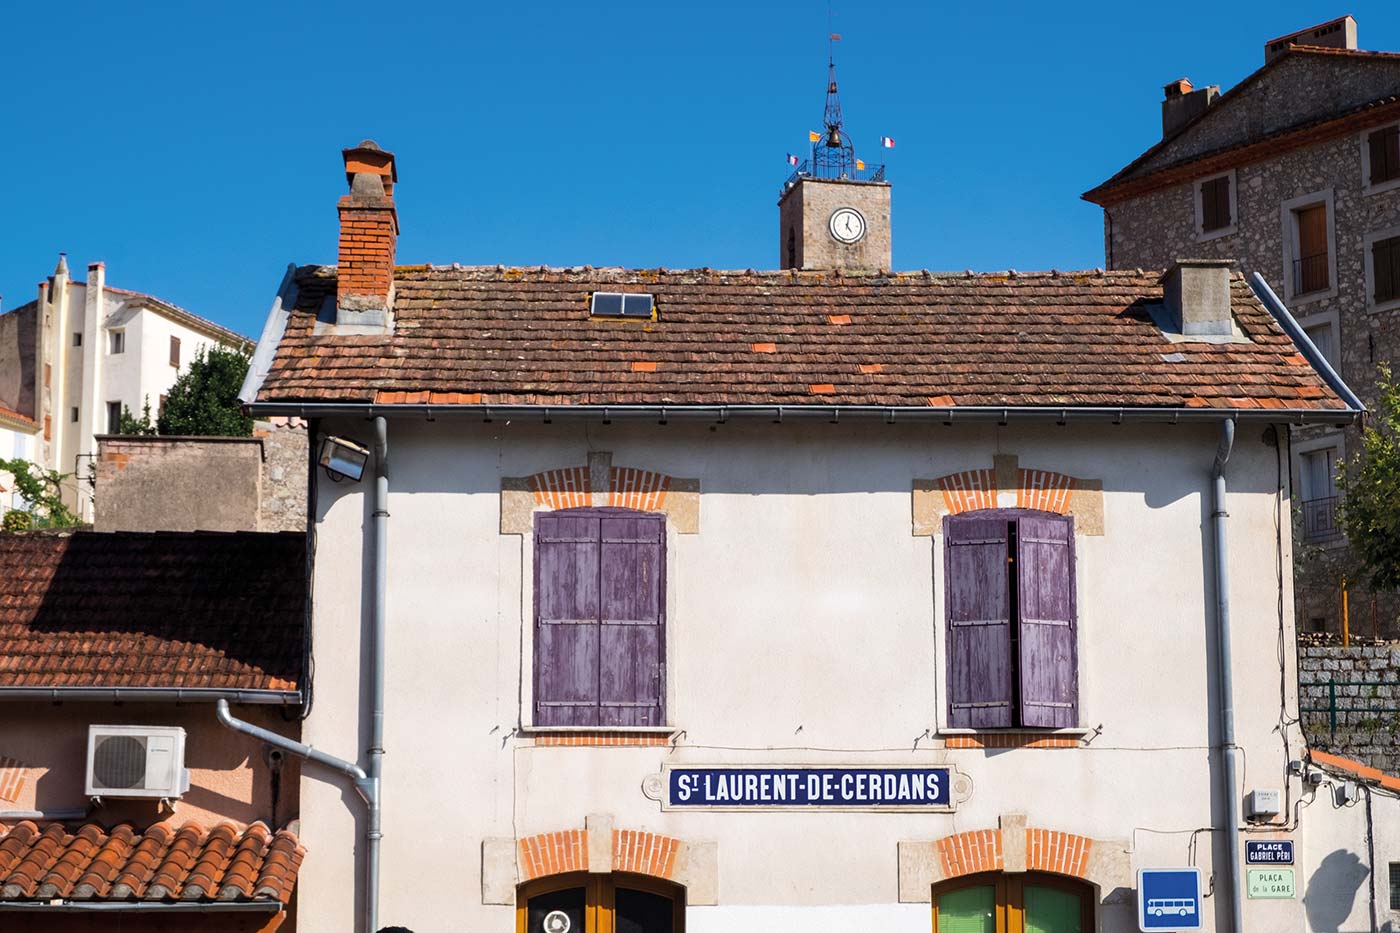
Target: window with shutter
1215, 204
978, 607
1385, 267
1047, 643
599, 618
1384, 149
1012, 631
1312, 267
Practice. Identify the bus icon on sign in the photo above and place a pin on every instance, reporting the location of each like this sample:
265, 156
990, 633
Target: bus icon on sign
1169, 899
1176, 906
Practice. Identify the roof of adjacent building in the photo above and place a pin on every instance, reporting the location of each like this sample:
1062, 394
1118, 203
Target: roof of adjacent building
13, 418
1354, 769
512, 336
163, 610
173, 311
224, 864
1157, 168
194, 321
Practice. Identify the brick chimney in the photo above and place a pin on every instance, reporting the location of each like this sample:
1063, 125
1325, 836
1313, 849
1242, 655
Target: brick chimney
369, 230
1181, 104
1196, 293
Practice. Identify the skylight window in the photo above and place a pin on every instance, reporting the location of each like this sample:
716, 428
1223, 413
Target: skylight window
616, 304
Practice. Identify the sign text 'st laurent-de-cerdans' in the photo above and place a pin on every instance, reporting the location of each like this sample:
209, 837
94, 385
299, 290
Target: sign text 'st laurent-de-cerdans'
809, 787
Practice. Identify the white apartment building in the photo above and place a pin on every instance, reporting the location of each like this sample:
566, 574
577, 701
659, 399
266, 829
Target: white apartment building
75, 356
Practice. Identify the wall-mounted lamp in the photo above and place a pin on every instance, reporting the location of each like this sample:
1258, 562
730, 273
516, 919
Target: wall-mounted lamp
343, 459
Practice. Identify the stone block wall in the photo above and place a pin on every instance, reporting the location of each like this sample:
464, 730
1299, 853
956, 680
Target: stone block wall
152, 483
284, 493
1366, 685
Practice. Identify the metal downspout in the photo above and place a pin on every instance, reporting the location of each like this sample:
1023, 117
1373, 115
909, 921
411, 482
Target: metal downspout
377, 628
366, 782
1227, 680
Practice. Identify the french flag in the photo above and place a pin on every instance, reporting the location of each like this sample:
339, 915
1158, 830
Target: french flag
792, 159
887, 142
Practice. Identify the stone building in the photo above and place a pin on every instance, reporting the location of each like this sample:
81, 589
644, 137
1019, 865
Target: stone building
80, 353
1295, 174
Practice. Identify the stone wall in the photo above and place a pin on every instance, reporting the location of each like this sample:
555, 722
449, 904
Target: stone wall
283, 502
203, 483
1367, 698
805, 211
1154, 229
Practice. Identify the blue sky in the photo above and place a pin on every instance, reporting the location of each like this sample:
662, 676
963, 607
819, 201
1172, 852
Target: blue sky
195, 148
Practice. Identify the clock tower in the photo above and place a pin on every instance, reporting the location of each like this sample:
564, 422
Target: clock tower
833, 212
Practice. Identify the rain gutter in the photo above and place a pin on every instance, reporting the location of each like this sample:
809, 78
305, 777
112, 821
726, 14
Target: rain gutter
998, 414
152, 694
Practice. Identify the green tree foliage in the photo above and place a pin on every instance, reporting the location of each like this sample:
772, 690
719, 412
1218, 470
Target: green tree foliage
130, 424
15, 521
1370, 509
204, 400
43, 490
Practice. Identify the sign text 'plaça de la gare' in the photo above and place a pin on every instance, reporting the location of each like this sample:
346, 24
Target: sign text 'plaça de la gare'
811, 787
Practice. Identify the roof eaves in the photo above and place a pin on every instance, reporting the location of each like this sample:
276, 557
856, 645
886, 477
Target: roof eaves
189, 318
1125, 174
1371, 113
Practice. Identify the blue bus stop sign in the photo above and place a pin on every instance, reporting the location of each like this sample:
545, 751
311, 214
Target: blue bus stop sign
1170, 899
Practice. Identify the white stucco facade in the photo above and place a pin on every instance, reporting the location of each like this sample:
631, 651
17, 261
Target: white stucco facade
805, 626
88, 347
16, 441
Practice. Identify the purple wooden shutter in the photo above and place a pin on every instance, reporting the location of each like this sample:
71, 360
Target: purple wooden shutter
632, 678
567, 549
1049, 665
977, 601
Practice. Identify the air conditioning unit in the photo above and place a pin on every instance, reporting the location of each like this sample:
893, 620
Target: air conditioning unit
136, 761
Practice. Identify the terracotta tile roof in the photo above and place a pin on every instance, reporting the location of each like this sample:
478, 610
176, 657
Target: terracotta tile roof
9, 414
1133, 179
498, 336
156, 610
164, 863
1354, 768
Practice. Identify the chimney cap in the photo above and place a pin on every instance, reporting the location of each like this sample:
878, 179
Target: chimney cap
368, 157
1195, 264
1178, 87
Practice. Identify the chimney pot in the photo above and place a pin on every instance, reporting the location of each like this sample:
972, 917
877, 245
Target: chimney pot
1196, 293
1177, 88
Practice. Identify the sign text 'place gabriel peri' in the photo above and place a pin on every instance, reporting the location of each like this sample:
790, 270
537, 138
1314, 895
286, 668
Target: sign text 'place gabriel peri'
858, 788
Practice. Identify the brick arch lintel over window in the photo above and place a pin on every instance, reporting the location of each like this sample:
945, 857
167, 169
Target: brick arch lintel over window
598, 483
600, 847
1012, 847
1008, 485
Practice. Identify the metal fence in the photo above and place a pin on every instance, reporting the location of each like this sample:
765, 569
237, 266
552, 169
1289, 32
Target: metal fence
1345, 703
1320, 519
1311, 274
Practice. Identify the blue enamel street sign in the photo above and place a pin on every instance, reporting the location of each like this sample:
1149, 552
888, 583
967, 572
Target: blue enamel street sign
1170, 899
808, 787
1269, 852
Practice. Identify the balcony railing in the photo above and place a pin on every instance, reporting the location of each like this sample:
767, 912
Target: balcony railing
1311, 274
1320, 520
869, 173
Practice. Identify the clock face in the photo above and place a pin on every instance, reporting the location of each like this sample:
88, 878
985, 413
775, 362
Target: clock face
847, 225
